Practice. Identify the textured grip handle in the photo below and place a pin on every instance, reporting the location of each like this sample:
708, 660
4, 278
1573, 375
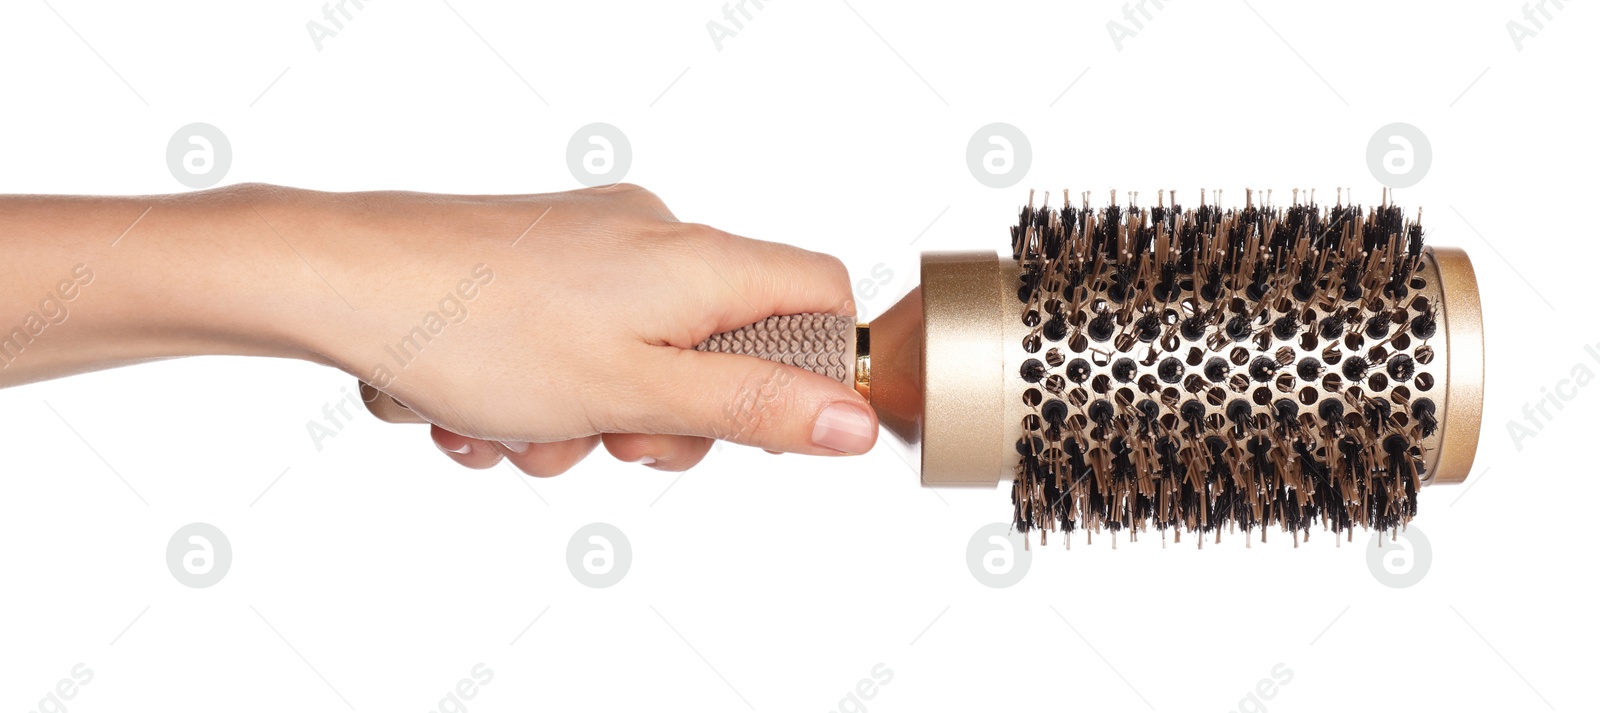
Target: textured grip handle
821, 343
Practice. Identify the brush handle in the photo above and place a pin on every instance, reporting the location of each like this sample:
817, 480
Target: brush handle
820, 343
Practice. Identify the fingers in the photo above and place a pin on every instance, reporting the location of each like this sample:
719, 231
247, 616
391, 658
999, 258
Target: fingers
662, 452
469, 452
537, 459
544, 460
751, 401
755, 279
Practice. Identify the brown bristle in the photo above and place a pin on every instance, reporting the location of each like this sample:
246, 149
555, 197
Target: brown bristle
1198, 367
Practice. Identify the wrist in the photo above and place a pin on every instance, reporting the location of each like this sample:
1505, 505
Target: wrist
216, 273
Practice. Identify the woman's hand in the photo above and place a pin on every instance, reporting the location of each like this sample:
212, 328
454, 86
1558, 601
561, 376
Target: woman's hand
563, 321
526, 327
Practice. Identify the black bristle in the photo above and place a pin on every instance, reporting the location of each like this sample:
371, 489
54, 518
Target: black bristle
1424, 411
1284, 327
1309, 369
1262, 431
1216, 369
1102, 327
1424, 326
1355, 368
1331, 327
1170, 370
1238, 328
1148, 327
1402, 367
1378, 326
1032, 371
1123, 370
1262, 368
1055, 329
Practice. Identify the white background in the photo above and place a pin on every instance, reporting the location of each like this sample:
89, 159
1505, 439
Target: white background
374, 574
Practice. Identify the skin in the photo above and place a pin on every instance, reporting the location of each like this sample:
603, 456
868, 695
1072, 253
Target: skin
577, 328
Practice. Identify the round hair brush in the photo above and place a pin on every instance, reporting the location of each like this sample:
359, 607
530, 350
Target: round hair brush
1136, 368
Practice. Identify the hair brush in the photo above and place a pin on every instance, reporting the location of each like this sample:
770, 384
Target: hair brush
1201, 369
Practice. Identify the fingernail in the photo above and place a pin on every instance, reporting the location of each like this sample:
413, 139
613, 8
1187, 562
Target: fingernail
644, 460
515, 446
463, 450
843, 427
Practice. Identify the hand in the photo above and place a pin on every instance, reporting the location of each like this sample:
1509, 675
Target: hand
536, 327
526, 327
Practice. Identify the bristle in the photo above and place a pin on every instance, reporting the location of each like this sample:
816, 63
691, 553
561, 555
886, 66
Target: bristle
1222, 344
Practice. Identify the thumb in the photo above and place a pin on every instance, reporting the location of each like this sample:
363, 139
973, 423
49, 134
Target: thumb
744, 399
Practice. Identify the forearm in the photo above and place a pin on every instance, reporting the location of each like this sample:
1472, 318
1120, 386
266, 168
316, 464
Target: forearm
94, 282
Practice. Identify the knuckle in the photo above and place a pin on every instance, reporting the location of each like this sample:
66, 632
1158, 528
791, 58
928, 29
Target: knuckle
634, 193
701, 233
835, 271
616, 188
